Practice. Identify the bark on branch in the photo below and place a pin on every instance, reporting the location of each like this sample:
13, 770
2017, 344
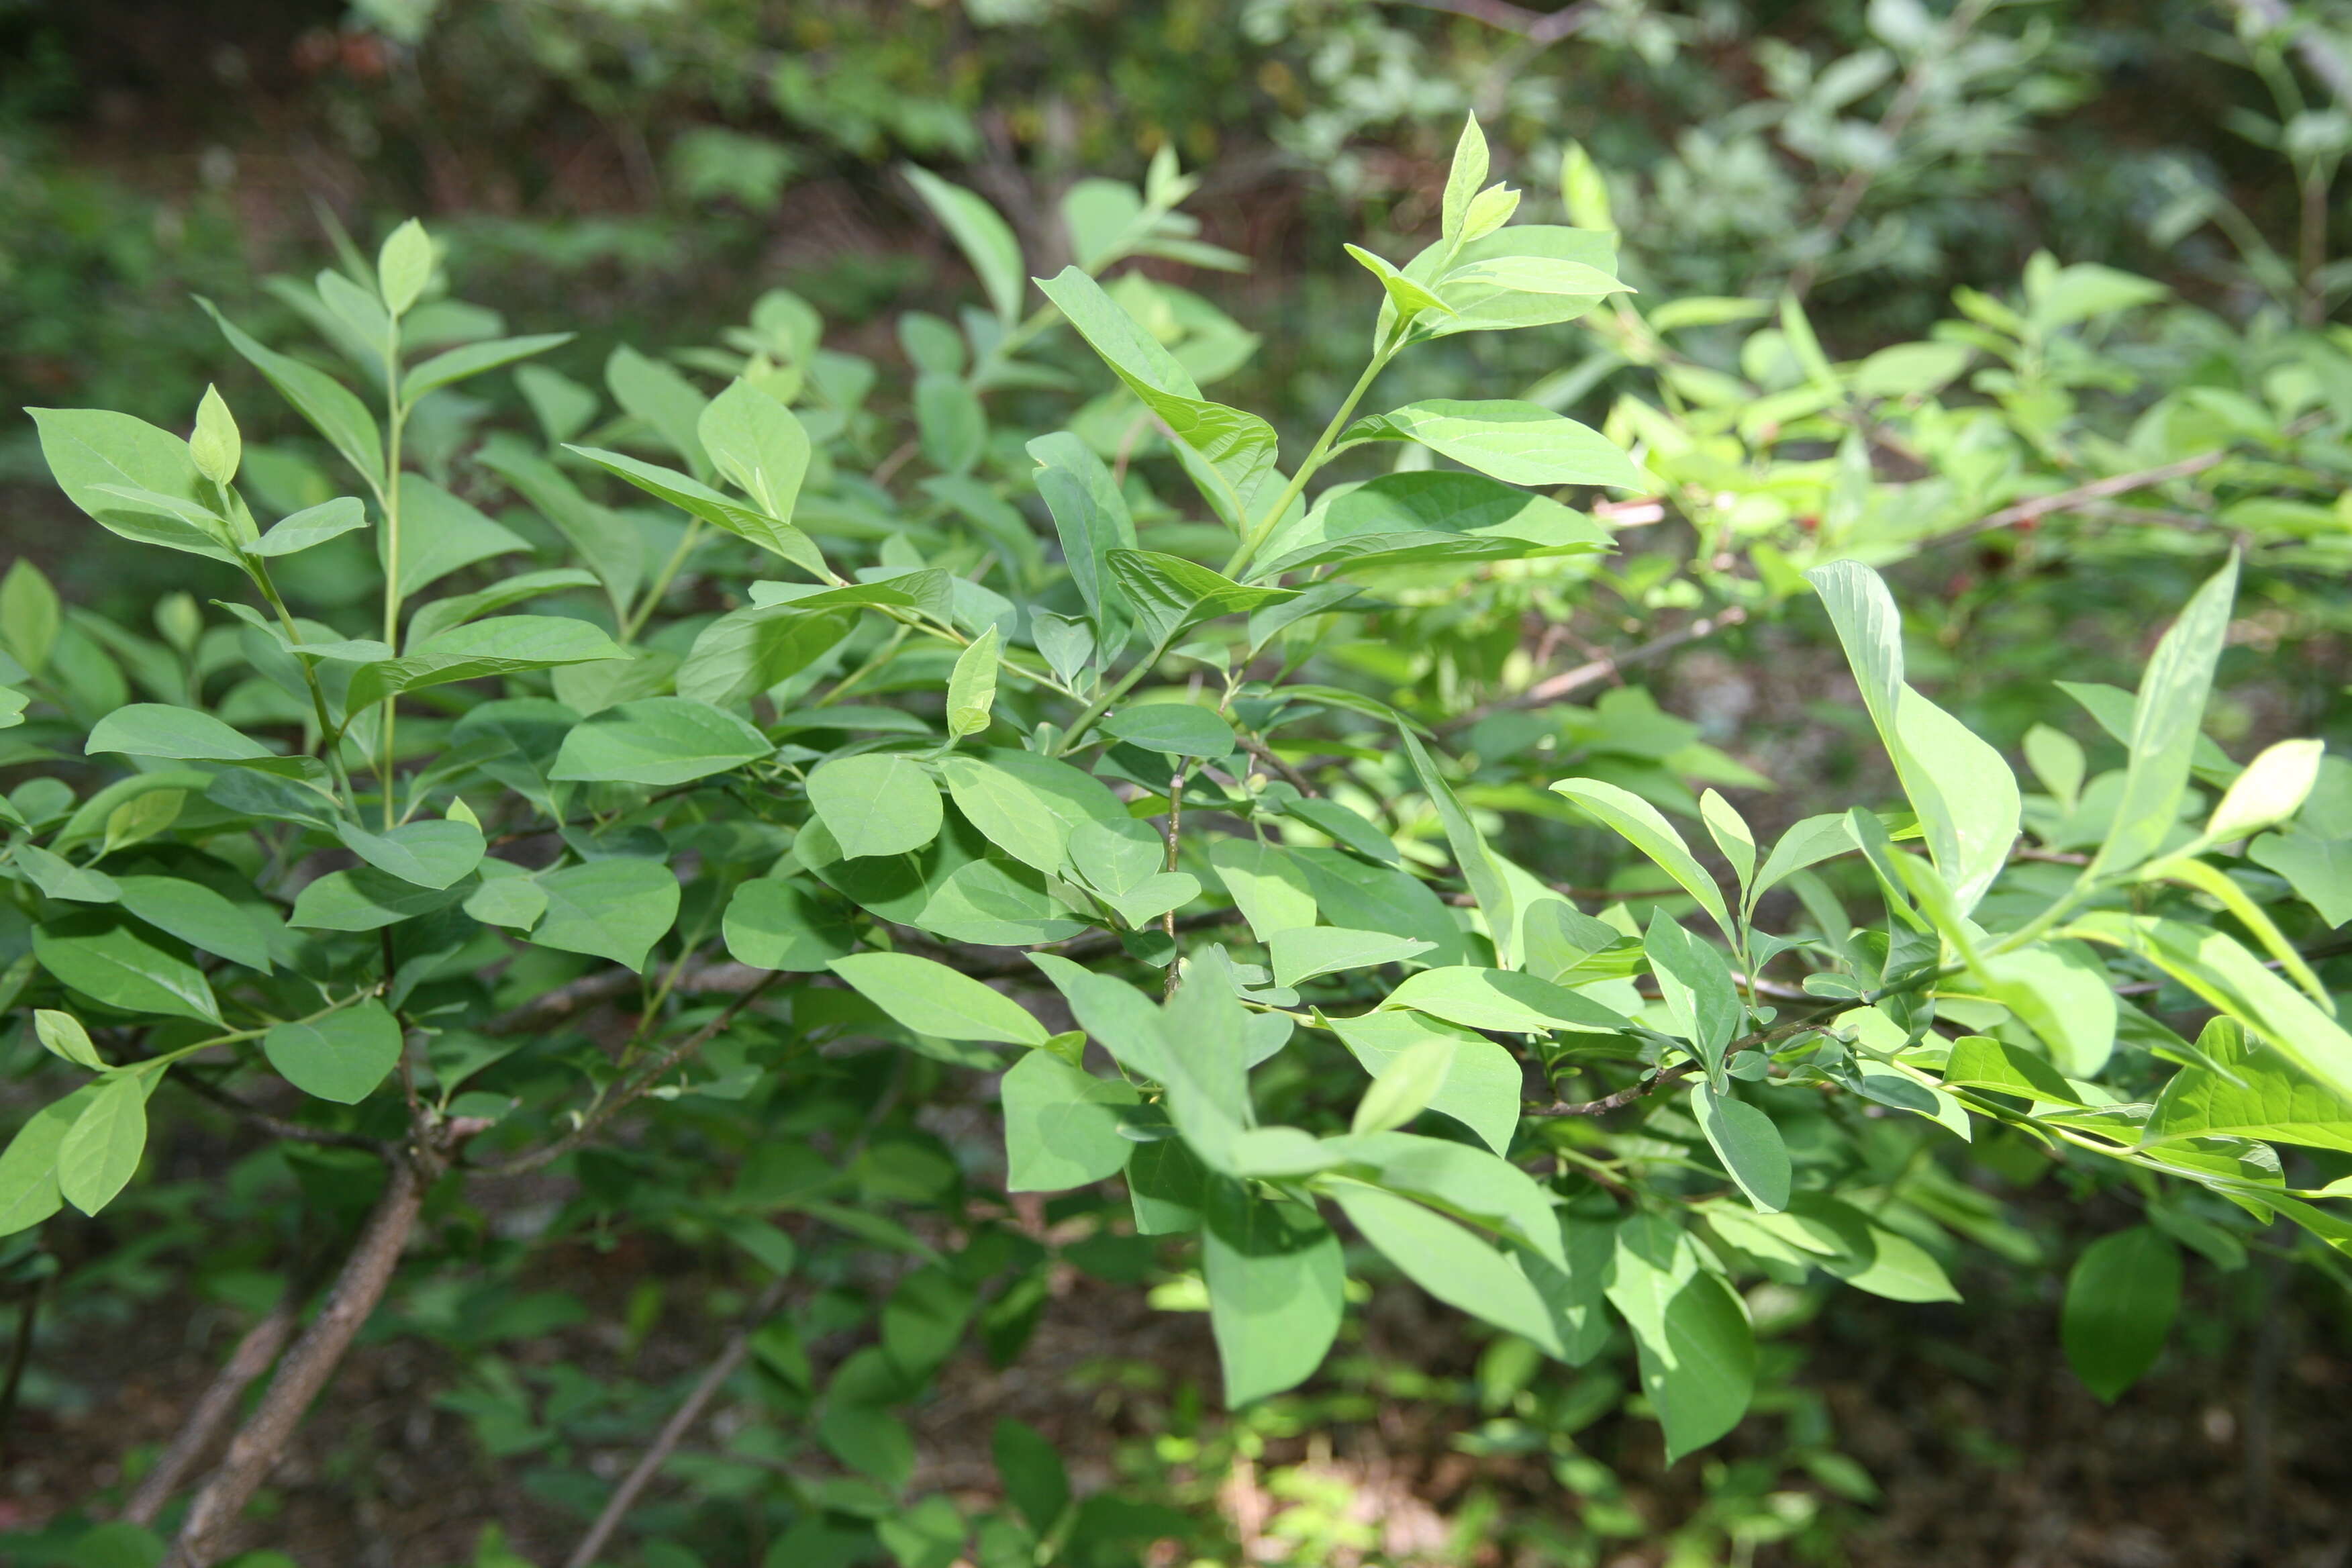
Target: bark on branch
306, 1370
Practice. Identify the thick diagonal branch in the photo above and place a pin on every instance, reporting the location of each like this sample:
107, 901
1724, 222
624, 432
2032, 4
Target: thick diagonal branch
214, 1409
305, 1371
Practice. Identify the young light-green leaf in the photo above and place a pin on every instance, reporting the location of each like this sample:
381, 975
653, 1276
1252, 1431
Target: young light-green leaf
932, 999
342, 1056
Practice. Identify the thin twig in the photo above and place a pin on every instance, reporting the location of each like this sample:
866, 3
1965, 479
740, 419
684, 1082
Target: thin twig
214, 1408
306, 1369
1168, 920
681, 1422
634, 1090
2037, 506
277, 1127
1592, 672
1618, 1101
1266, 754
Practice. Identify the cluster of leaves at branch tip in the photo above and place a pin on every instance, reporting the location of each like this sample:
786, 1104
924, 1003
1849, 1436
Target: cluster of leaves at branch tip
929, 778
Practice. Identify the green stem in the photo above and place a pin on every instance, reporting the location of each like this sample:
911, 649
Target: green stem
331, 739
881, 656
395, 417
1264, 528
1095, 709
660, 585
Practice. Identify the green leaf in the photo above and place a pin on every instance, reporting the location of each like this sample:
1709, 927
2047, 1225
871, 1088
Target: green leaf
1061, 1124
2216, 967
607, 543
364, 899
661, 400
28, 1167
404, 266
466, 360
1302, 952
1518, 443
1440, 514
2318, 870
442, 614
62, 1036
1504, 1000
875, 804
1749, 1144
1234, 453
312, 525
1451, 1264
513, 901
342, 1056
932, 999
1691, 1334
94, 453
1696, 985
331, 406
1407, 298
1170, 595
2057, 760
658, 740
615, 909
972, 685
59, 877
984, 237
428, 854
2167, 721
2272, 789
1467, 1183
1121, 1019
1483, 1086
1482, 307
758, 446
199, 917
1027, 805
99, 1153
214, 444
1031, 1474
1535, 275
161, 730
773, 534
1961, 788
1806, 843
503, 644
1178, 729
1463, 178
1638, 822
113, 962
773, 924
2061, 992
1732, 835
29, 614
1090, 515
1275, 1280
440, 533
1267, 882
1978, 1061
2269, 1101
1404, 1086
950, 421
2121, 1297
1470, 851
748, 651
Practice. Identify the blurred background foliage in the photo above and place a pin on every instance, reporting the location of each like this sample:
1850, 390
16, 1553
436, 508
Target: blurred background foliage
652, 167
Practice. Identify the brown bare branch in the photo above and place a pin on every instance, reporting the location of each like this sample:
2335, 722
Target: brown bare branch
681, 1422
